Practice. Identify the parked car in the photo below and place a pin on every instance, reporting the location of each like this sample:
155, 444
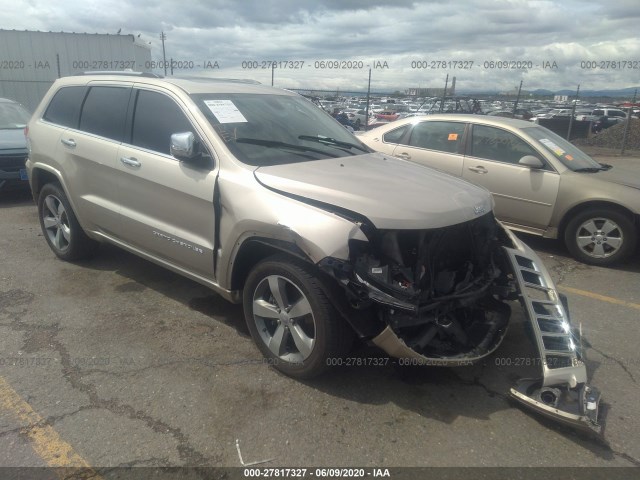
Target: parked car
519, 113
13, 145
359, 117
609, 112
541, 183
261, 196
387, 116
554, 113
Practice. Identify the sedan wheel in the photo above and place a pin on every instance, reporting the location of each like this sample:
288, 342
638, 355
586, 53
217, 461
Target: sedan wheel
290, 318
600, 237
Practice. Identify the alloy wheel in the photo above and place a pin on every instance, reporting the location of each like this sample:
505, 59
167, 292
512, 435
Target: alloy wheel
599, 237
284, 319
56, 223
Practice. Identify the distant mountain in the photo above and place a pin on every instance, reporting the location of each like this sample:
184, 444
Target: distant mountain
623, 92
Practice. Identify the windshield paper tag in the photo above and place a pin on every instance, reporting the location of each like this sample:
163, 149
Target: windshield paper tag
552, 146
453, 136
225, 111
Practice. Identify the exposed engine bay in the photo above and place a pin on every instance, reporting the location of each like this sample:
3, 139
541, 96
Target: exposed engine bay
439, 290
441, 297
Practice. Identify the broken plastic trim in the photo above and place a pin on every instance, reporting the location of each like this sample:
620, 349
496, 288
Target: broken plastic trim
562, 393
384, 298
577, 408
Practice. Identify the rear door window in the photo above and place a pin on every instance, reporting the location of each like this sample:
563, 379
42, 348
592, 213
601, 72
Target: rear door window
104, 111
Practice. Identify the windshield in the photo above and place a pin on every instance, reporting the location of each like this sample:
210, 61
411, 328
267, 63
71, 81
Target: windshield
262, 130
12, 116
570, 156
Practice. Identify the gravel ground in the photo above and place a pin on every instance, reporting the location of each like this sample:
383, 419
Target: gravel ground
612, 137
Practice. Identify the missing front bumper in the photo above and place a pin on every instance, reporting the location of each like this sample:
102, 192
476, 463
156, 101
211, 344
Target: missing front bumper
562, 393
576, 407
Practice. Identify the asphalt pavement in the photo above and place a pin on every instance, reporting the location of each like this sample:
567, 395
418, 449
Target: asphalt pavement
117, 362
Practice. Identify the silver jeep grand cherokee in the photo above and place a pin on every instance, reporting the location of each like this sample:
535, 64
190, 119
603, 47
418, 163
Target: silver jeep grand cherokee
260, 195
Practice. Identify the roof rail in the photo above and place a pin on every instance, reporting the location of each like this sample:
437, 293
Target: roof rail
215, 79
129, 73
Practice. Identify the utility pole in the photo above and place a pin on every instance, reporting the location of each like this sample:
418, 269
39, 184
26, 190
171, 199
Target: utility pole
163, 37
444, 94
366, 113
573, 113
628, 124
515, 105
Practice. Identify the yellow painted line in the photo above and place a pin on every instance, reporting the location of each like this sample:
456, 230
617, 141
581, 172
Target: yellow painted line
44, 439
597, 296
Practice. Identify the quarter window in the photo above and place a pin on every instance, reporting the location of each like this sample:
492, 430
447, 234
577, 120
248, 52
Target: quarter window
156, 118
104, 112
394, 136
64, 108
440, 136
500, 145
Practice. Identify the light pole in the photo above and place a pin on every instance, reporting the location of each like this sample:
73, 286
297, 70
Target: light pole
163, 37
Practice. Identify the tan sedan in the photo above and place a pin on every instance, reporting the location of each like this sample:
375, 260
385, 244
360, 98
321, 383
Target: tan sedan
541, 183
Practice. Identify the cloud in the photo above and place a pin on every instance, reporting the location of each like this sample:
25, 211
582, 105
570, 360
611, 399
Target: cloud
566, 32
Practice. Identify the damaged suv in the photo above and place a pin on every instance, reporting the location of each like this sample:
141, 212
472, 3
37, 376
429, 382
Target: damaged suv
266, 199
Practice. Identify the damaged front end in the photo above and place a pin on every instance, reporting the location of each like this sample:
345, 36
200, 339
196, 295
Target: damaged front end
440, 298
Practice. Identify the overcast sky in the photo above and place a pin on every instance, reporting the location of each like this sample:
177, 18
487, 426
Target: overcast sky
230, 32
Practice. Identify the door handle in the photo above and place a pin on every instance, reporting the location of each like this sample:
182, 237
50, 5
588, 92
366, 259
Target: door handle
68, 143
479, 169
130, 161
403, 156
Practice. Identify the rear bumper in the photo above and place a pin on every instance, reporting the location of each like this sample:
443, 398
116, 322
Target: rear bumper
12, 179
4, 175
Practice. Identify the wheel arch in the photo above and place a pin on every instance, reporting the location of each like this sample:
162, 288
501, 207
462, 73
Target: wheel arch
595, 204
254, 250
40, 176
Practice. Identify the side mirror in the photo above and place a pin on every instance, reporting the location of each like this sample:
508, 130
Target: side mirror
531, 162
184, 147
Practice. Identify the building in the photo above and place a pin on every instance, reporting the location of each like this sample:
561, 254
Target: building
31, 61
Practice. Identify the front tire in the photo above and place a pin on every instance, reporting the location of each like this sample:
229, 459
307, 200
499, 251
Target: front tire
600, 237
60, 226
290, 318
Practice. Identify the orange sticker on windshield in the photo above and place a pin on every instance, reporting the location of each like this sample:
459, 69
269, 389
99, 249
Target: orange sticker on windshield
568, 157
453, 136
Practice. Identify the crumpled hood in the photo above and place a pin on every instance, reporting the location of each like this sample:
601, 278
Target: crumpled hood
12, 139
391, 193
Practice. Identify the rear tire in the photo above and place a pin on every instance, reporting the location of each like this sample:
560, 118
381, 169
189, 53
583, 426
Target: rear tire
60, 226
290, 318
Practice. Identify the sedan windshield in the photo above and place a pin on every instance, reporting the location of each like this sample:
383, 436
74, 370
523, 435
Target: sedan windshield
262, 130
12, 116
570, 155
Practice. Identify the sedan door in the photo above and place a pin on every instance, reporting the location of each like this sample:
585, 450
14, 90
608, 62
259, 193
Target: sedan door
167, 204
524, 196
436, 144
